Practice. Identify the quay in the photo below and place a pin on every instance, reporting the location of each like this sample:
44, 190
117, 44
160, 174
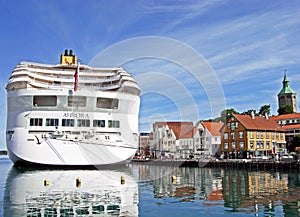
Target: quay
229, 163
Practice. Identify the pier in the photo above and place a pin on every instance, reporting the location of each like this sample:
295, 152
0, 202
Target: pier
241, 164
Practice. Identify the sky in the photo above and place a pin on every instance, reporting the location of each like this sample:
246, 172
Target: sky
191, 58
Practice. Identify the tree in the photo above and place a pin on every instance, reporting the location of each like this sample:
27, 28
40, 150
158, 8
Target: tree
226, 113
249, 112
265, 110
295, 143
285, 109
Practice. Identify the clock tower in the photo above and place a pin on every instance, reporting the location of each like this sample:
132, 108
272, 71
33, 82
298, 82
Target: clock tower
287, 96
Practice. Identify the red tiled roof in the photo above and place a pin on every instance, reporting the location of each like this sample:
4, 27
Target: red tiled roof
213, 127
182, 130
258, 123
291, 126
286, 116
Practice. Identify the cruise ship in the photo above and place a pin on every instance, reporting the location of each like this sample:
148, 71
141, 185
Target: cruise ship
71, 114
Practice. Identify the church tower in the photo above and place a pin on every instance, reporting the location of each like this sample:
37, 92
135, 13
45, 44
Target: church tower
287, 96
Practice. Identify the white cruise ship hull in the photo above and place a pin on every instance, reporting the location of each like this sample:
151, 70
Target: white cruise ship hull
51, 123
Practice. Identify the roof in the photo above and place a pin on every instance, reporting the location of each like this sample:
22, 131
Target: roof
291, 126
258, 123
286, 88
286, 116
213, 127
182, 130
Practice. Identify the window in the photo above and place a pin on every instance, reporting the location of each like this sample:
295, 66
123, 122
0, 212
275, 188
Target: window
251, 134
98, 123
233, 145
83, 123
51, 122
241, 145
226, 145
272, 135
241, 134
251, 144
267, 145
267, 135
259, 144
113, 124
225, 136
232, 134
76, 101
261, 135
43, 101
236, 124
107, 103
67, 122
36, 122
228, 125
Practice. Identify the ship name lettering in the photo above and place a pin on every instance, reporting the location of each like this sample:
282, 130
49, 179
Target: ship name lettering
76, 115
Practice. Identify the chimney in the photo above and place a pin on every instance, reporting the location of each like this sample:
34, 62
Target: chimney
252, 115
266, 115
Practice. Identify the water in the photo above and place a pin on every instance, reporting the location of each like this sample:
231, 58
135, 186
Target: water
147, 191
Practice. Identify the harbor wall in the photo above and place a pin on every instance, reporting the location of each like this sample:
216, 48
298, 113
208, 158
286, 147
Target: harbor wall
248, 165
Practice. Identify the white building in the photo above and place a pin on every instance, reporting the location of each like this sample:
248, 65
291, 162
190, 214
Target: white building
210, 138
173, 140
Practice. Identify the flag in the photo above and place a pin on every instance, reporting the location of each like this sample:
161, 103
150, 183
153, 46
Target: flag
76, 77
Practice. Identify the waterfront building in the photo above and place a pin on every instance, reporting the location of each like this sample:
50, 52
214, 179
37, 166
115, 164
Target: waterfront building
291, 124
144, 144
209, 138
287, 96
173, 140
245, 136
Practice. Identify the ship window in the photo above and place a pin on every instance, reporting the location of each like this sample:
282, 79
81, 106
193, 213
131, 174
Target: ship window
36, 122
83, 123
99, 123
68, 122
44, 101
51, 122
107, 103
76, 101
113, 124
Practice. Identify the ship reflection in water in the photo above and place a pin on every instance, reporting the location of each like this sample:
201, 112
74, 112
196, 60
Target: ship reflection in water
71, 193
151, 191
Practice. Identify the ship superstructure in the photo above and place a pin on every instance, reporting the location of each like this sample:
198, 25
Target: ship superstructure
71, 114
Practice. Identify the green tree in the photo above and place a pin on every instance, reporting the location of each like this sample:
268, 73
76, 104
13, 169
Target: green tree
265, 110
295, 143
249, 112
285, 109
226, 113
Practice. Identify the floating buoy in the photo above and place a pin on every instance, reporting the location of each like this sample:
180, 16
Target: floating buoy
46, 182
173, 179
78, 182
122, 180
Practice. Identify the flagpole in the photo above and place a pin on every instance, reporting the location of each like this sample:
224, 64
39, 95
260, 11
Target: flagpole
76, 75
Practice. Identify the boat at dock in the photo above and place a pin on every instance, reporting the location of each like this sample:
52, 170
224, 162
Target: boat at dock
71, 114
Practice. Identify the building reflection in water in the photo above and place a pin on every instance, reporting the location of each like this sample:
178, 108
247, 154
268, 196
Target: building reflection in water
70, 193
236, 190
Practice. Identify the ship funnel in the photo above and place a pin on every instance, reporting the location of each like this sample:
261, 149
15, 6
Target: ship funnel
68, 58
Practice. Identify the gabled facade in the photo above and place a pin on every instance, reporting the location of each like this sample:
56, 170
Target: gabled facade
210, 138
173, 140
245, 136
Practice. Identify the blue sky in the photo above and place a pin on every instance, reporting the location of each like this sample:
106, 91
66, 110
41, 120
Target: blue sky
246, 44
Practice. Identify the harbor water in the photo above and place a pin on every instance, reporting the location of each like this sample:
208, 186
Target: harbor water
147, 190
